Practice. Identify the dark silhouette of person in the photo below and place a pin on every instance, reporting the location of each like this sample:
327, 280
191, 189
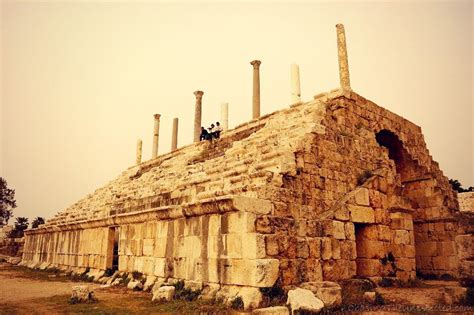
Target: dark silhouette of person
204, 134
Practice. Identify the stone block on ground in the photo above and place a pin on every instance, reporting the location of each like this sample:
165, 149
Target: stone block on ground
276, 310
149, 283
369, 297
304, 300
327, 291
135, 285
82, 294
454, 295
209, 291
165, 294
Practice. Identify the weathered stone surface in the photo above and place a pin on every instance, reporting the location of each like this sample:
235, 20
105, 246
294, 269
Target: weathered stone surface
275, 310
303, 300
82, 294
370, 297
454, 295
326, 291
165, 293
135, 285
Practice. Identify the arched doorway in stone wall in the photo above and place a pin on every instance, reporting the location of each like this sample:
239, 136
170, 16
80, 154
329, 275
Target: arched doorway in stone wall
403, 206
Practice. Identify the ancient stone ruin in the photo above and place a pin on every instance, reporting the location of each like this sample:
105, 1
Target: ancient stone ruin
329, 189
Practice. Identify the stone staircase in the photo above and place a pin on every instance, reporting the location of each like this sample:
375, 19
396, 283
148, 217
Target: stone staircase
253, 154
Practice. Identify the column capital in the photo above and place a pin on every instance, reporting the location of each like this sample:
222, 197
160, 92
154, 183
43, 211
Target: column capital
255, 63
157, 116
198, 94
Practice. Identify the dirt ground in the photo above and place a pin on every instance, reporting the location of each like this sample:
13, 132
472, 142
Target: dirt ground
25, 291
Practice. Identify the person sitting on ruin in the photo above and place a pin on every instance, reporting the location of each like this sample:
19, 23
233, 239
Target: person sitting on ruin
204, 134
217, 130
211, 132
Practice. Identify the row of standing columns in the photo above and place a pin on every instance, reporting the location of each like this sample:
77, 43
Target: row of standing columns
295, 97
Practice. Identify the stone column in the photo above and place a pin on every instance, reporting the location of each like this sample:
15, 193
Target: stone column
156, 135
197, 115
256, 89
225, 116
295, 84
139, 151
174, 139
342, 54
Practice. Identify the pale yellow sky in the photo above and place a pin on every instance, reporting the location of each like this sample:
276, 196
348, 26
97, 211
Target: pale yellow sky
82, 80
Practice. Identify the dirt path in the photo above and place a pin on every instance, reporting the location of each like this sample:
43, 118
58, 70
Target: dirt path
15, 288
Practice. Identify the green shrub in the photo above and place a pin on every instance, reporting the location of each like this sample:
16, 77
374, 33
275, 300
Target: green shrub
137, 275
181, 293
273, 295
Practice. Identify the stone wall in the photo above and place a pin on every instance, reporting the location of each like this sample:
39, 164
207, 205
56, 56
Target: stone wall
326, 190
466, 201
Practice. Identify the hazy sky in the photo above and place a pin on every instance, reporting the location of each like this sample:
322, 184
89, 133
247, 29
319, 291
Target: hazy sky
82, 80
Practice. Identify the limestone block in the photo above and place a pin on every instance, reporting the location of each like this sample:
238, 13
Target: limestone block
253, 205
135, 285
275, 310
149, 283
454, 295
193, 285
238, 222
362, 197
326, 248
252, 297
326, 291
209, 291
372, 249
465, 246
303, 300
401, 237
249, 272
160, 247
314, 247
148, 265
138, 264
369, 297
271, 245
339, 230
368, 267
336, 248
165, 293
148, 246
349, 230
82, 294
361, 214
429, 248
302, 248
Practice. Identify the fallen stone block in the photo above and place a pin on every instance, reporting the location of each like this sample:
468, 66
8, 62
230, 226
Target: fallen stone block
327, 291
135, 285
165, 293
304, 300
276, 310
369, 297
149, 283
82, 294
454, 295
209, 291
14, 260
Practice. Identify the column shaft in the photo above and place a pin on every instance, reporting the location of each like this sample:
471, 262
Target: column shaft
156, 135
342, 55
256, 89
174, 139
139, 151
197, 115
295, 84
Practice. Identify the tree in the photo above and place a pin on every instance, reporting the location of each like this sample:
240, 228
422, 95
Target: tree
457, 186
37, 222
21, 225
7, 202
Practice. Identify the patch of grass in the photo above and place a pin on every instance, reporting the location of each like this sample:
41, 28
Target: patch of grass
237, 303
184, 294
